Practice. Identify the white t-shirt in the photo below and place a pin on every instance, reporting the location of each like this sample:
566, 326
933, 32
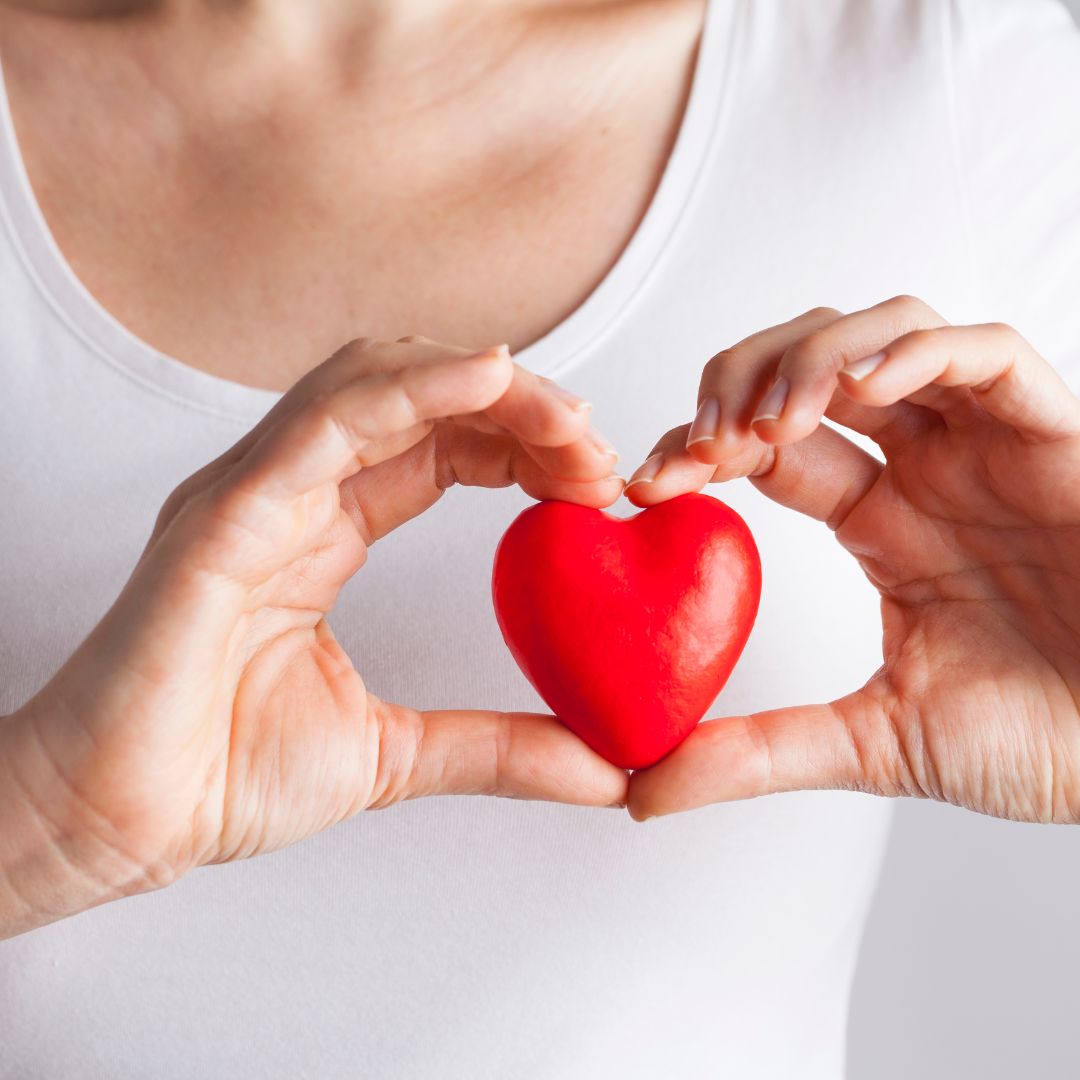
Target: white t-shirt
831, 153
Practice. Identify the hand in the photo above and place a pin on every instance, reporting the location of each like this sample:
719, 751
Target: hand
970, 532
211, 715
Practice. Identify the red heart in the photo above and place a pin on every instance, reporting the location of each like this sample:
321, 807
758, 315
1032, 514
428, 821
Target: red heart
628, 628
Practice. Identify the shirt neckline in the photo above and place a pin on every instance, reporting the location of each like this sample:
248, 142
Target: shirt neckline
553, 354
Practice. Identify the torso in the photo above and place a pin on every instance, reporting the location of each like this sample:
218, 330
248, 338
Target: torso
481, 938
344, 208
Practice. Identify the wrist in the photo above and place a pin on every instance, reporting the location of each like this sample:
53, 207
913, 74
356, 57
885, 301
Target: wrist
57, 857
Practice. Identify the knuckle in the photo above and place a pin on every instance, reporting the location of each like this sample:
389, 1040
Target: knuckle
923, 340
177, 498
228, 505
239, 532
500, 769
722, 361
182, 496
905, 301
402, 759
553, 427
816, 352
1007, 333
315, 415
351, 348
757, 736
822, 312
444, 453
361, 344
324, 415
216, 531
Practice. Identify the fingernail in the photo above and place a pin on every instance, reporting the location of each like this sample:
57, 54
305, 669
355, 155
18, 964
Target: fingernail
647, 472
859, 369
706, 422
602, 444
772, 404
578, 405
616, 806
492, 352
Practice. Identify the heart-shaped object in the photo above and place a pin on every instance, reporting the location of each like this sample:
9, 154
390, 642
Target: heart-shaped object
628, 627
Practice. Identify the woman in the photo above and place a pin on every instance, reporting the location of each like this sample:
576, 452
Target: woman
202, 203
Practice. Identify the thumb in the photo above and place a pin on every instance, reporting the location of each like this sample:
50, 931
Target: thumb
847, 744
518, 755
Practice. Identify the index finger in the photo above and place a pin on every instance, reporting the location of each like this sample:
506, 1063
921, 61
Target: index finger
553, 427
329, 436
551, 424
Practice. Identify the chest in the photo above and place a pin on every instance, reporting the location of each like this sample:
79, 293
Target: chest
254, 250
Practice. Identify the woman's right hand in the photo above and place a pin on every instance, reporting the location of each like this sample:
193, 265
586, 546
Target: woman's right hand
211, 715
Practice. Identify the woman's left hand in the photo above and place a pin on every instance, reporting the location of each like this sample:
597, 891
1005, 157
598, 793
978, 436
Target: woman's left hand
970, 531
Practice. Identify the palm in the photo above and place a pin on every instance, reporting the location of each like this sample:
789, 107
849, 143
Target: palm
258, 732
300, 741
968, 534
301, 745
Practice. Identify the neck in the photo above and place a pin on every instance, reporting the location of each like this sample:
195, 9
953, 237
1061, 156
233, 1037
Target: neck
282, 12
246, 55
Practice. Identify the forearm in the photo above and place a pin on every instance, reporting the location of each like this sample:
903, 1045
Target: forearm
55, 860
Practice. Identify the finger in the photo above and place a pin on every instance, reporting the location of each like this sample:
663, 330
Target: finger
846, 745
990, 367
520, 755
551, 423
735, 388
892, 428
536, 408
667, 471
479, 422
824, 476
540, 411
486, 461
553, 426
355, 359
362, 356
588, 457
380, 499
332, 435
733, 381
804, 384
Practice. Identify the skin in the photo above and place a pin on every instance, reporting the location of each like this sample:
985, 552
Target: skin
970, 531
211, 715
268, 734
302, 174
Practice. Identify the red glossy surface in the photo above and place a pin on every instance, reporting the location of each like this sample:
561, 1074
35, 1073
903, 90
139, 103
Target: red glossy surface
628, 628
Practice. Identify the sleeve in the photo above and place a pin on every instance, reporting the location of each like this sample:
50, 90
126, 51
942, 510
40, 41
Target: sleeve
1016, 80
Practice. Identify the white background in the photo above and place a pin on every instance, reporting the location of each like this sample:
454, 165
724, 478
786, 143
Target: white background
971, 961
